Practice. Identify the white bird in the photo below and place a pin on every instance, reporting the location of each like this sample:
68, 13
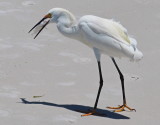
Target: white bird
104, 36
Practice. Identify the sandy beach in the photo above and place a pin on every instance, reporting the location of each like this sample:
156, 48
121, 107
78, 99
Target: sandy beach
51, 80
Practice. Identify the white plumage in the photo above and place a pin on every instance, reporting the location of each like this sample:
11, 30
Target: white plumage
104, 36
109, 37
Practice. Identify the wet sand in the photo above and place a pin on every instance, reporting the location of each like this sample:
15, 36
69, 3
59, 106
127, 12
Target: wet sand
62, 73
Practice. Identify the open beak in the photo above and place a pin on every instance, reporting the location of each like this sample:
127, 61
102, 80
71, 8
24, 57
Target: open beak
45, 17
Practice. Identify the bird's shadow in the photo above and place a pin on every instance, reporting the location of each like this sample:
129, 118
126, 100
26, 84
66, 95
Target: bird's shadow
79, 108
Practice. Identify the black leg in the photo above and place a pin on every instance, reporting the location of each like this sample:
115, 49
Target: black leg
100, 85
99, 91
122, 80
121, 107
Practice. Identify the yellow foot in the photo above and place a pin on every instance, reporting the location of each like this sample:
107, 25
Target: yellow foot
120, 108
89, 113
92, 112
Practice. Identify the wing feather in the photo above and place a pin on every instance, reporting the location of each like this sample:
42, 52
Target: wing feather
107, 27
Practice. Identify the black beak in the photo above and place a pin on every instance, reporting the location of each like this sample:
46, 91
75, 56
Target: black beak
41, 28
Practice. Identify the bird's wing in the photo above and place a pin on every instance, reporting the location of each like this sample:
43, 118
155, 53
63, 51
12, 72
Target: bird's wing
107, 27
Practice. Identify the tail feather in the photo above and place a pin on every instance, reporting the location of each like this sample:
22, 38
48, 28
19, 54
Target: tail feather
138, 55
132, 51
133, 41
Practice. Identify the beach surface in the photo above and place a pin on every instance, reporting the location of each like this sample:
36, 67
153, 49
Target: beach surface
53, 79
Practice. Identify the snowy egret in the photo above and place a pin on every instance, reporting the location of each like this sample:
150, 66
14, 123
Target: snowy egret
104, 36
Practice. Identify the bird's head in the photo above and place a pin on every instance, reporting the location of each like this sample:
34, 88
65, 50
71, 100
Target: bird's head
54, 15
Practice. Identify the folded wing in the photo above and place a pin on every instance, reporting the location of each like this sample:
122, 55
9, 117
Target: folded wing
107, 27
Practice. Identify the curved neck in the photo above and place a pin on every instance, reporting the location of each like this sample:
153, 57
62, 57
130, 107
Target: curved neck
69, 31
66, 24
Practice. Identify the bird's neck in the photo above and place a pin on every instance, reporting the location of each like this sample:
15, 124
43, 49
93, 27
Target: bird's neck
67, 26
67, 31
